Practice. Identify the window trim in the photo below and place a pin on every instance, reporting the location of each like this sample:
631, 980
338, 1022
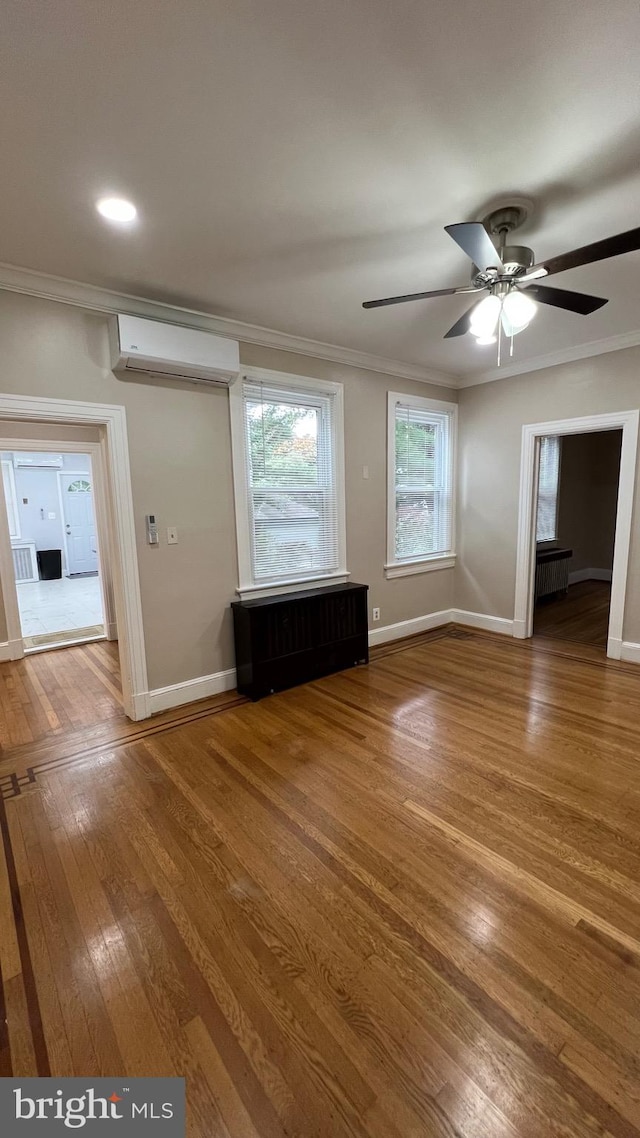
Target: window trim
447, 558
289, 382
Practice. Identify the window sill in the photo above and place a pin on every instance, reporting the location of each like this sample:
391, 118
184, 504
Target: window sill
274, 588
427, 565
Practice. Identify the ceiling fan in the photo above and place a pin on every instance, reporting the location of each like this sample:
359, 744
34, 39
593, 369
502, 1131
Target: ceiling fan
509, 275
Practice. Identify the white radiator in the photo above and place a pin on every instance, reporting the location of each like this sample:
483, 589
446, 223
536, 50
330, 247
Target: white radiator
25, 562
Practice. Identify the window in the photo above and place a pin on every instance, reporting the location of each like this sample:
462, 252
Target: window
79, 486
289, 480
421, 443
548, 483
9, 485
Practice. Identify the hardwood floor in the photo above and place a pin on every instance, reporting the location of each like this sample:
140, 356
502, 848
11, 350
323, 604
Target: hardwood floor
400, 901
582, 616
49, 693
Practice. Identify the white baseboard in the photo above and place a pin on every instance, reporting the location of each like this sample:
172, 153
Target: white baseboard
630, 652
409, 627
436, 620
11, 650
483, 621
590, 575
161, 699
138, 706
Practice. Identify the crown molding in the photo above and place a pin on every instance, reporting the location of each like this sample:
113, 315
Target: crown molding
551, 359
96, 299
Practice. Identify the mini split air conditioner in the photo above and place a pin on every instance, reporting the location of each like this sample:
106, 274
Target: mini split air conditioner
37, 461
172, 352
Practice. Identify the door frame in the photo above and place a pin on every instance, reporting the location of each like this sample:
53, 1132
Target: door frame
115, 507
627, 422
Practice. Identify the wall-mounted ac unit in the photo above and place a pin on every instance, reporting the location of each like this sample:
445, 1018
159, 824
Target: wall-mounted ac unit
38, 461
167, 350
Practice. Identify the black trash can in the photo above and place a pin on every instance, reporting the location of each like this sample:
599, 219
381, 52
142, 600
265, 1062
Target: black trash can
49, 564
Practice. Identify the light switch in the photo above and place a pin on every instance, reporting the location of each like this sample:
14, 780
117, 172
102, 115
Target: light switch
365, 471
172, 536
51, 516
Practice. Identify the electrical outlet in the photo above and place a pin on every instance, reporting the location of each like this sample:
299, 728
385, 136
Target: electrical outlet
376, 614
172, 536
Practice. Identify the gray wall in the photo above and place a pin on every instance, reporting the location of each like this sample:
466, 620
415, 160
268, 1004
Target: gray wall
491, 420
180, 450
589, 471
40, 488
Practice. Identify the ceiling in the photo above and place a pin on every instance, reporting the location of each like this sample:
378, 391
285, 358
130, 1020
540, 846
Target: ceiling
291, 159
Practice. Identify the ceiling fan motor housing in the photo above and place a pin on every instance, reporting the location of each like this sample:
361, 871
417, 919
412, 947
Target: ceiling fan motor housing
516, 260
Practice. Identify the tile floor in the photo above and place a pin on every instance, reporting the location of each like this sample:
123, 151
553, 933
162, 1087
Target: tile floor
59, 606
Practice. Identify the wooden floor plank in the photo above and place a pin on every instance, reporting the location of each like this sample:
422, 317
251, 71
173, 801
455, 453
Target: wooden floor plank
581, 614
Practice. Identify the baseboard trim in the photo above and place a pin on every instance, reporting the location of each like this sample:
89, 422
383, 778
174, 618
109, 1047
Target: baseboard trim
483, 621
630, 652
580, 575
409, 627
11, 650
161, 699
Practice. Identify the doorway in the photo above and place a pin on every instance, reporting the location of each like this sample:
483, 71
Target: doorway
55, 554
117, 509
533, 435
578, 478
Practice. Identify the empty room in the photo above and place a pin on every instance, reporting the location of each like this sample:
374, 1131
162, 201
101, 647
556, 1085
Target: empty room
320, 569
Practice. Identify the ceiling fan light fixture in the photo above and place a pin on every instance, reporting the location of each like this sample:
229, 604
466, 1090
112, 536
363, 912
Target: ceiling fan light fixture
518, 310
483, 340
485, 317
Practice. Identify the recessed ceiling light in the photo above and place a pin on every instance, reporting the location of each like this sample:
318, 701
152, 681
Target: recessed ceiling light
117, 209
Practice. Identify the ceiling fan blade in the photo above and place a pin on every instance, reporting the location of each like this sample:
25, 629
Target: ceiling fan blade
579, 302
462, 325
417, 296
474, 240
600, 250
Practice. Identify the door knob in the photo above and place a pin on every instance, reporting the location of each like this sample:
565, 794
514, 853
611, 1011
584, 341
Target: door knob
68, 528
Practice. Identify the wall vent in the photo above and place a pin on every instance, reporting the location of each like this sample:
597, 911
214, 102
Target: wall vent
25, 562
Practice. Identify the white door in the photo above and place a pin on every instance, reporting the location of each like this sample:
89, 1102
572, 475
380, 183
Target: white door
79, 523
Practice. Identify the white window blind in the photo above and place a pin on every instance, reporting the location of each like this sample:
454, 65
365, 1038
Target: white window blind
291, 482
421, 458
9, 485
548, 483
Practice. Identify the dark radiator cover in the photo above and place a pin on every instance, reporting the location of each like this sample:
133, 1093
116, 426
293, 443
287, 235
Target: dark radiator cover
286, 640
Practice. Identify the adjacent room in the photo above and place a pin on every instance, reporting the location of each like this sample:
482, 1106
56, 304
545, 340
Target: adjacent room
320, 569
575, 535
54, 546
